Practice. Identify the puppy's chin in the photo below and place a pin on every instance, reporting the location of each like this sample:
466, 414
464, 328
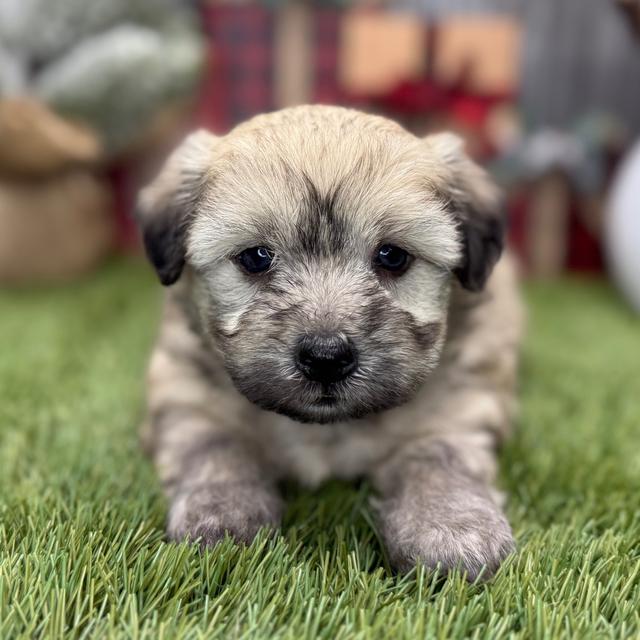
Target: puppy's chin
315, 415
327, 411
324, 413
345, 401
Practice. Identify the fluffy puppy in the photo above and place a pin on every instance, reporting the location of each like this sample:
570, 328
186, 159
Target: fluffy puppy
331, 313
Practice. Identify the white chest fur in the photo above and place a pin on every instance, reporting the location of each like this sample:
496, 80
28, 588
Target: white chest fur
313, 453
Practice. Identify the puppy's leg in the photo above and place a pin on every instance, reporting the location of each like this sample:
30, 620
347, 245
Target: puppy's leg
219, 488
437, 506
211, 471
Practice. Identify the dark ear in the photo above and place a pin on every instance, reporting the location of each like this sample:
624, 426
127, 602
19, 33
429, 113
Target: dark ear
166, 207
476, 203
482, 243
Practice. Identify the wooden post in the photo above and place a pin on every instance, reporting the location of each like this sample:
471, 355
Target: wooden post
293, 55
548, 225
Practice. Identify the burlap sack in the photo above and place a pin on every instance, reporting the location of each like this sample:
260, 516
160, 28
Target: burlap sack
34, 141
55, 228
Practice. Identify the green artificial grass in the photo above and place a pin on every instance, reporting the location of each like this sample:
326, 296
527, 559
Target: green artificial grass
82, 551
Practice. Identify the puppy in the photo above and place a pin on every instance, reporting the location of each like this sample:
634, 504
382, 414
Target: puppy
331, 313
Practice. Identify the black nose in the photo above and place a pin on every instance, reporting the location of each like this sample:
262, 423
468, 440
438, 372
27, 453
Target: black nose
325, 358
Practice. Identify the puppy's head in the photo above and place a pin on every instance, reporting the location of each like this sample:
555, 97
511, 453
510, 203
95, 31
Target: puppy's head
323, 243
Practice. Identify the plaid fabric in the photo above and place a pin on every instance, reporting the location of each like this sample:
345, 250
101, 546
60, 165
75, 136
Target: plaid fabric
240, 77
585, 250
239, 81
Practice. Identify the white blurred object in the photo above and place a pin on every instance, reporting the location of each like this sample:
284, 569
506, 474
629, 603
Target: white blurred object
116, 79
623, 228
114, 65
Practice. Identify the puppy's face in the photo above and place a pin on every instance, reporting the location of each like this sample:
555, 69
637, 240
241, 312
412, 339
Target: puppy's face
323, 244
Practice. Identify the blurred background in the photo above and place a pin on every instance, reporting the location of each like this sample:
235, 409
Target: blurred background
94, 94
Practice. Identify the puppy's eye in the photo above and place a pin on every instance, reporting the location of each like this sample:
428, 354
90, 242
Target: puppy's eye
392, 258
255, 259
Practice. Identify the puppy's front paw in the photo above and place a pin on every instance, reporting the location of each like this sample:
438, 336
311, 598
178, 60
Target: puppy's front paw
208, 513
464, 531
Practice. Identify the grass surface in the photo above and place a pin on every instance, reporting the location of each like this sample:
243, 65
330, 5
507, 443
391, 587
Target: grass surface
82, 552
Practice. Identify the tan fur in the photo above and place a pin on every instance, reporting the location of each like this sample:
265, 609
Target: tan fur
434, 391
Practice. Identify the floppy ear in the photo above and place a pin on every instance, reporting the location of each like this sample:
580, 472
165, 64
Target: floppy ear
166, 207
476, 203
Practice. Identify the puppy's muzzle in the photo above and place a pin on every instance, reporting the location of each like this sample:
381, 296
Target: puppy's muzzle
326, 358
